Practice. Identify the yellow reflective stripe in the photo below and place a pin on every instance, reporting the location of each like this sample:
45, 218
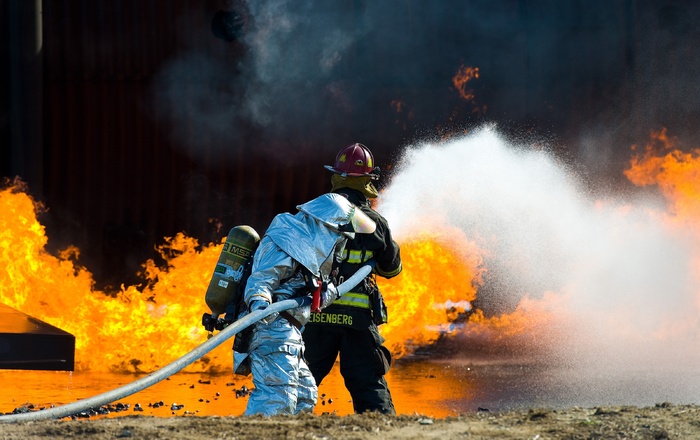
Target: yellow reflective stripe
355, 257
354, 300
388, 274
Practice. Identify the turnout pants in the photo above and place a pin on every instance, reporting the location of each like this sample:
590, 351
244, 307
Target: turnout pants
363, 363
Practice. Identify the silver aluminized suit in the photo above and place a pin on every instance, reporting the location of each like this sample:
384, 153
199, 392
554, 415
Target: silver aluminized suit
311, 238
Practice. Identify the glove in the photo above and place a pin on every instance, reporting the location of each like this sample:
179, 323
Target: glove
332, 290
329, 294
262, 305
258, 304
310, 280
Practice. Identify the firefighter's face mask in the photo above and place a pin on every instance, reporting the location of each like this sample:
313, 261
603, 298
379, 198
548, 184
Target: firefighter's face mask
359, 223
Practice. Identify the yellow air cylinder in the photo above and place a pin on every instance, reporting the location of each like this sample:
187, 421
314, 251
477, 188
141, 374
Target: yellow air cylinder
238, 248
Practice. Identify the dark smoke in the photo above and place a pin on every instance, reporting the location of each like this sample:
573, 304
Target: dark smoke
596, 75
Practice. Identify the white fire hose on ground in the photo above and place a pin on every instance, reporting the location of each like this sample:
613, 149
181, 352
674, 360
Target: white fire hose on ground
177, 365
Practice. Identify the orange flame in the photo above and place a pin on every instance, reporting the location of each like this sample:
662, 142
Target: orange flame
131, 331
537, 321
144, 328
676, 173
441, 268
403, 113
461, 78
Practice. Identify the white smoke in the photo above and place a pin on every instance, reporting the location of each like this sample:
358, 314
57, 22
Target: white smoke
295, 51
627, 295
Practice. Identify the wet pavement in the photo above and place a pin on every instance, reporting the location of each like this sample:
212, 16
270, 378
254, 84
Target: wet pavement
434, 387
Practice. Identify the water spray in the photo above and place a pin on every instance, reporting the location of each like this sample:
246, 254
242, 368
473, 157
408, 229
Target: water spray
177, 365
600, 286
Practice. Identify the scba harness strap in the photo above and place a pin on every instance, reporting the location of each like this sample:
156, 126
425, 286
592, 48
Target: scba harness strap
292, 320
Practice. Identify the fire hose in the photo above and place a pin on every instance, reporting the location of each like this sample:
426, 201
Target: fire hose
177, 365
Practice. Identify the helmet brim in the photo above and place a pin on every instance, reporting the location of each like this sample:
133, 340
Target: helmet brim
330, 168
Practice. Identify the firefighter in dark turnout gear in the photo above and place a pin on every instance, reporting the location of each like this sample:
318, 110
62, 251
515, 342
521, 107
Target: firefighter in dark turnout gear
348, 327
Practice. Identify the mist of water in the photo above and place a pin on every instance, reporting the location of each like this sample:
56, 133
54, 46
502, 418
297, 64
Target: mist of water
616, 276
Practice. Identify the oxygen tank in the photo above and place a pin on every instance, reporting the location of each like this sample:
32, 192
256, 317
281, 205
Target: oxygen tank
238, 248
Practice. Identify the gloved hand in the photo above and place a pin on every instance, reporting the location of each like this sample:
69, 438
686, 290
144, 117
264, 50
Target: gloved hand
333, 291
329, 294
310, 280
259, 304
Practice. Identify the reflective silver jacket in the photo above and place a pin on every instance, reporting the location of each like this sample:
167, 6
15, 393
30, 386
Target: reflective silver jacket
291, 241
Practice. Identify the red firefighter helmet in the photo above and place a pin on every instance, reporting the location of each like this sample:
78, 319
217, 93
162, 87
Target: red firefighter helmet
355, 160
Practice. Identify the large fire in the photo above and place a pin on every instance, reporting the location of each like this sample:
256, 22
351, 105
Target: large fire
142, 328
135, 330
441, 274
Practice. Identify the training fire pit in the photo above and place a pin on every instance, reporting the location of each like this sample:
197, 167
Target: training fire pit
27, 343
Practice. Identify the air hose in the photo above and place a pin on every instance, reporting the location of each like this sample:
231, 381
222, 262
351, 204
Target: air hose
177, 365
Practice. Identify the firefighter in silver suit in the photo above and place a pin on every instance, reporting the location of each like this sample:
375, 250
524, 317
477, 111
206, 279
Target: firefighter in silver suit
293, 247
